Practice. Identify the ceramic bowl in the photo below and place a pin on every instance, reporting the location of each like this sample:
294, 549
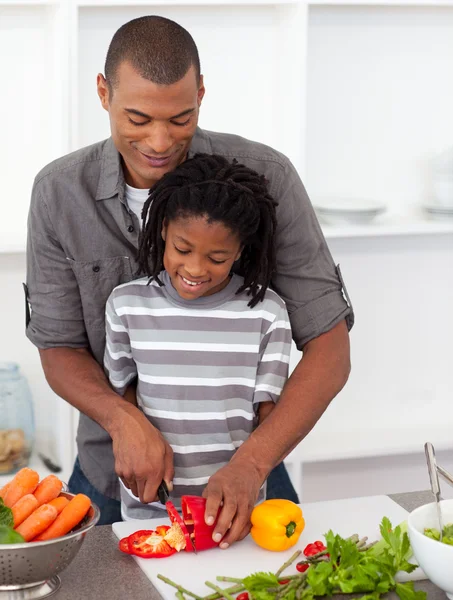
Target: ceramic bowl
435, 558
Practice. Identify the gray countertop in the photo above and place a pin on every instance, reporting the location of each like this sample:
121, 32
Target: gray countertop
101, 572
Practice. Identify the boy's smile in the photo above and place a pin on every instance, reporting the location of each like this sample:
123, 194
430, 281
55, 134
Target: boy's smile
199, 255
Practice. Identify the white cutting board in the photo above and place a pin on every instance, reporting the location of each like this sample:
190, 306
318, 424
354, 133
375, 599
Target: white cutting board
345, 517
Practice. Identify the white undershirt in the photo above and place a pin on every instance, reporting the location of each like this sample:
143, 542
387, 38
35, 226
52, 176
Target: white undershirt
135, 199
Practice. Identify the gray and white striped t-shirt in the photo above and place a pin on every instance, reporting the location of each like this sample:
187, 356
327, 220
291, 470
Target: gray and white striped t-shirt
202, 366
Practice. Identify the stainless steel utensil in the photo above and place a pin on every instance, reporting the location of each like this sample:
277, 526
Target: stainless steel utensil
434, 479
30, 571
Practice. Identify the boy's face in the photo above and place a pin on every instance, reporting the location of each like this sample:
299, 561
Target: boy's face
152, 125
199, 255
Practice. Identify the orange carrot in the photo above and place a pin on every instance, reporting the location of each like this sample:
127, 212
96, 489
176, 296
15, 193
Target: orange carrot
69, 517
23, 508
59, 503
37, 522
24, 482
48, 489
4, 490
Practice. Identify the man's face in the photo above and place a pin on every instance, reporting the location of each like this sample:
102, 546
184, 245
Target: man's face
152, 125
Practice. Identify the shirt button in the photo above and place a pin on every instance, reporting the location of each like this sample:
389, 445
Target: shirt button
130, 228
96, 268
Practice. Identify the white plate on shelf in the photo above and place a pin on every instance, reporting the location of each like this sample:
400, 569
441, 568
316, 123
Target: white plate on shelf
439, 213
348, 211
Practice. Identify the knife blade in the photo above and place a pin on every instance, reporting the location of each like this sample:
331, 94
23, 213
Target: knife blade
162, 492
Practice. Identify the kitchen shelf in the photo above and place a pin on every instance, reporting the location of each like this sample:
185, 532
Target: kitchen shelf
147, 3
26, 3
352, 445
395, 3
390, 226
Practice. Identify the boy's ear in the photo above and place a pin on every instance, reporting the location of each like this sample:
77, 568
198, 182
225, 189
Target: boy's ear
163, 233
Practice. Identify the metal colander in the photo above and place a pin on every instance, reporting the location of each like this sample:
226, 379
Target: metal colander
29, 571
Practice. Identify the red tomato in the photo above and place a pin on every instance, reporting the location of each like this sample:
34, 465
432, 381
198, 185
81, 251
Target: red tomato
302, 567
320, 546
149, 544
310, 550
124, 545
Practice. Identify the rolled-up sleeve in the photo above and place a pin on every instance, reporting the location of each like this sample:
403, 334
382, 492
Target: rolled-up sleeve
306, 276
53, 294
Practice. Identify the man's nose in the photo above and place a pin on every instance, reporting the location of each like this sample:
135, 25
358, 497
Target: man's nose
160, 140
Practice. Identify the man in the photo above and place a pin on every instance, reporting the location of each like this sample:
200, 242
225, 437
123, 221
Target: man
83, 234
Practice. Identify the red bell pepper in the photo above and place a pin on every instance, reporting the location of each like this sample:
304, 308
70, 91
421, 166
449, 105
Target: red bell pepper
192, 523
193, 510
149, 544
187, 531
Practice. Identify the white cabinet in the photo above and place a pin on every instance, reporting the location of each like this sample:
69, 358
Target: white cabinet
357, 94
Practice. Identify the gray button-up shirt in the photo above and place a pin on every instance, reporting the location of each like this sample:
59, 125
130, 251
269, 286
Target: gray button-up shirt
82, 242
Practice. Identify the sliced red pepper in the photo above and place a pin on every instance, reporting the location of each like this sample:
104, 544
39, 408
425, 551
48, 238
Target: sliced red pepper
193, 510
175, 517
320, 546
162, 530
243, 596
302, 567
149, 544
192, 523
124, 545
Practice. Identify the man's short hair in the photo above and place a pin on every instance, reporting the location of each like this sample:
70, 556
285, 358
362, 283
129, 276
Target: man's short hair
157, 48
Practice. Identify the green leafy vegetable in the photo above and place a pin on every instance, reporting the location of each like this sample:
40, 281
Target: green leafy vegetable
9, 536
349, 571
6, 515
347, 566
447, 537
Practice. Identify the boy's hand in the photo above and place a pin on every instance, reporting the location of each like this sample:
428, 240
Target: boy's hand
233, 490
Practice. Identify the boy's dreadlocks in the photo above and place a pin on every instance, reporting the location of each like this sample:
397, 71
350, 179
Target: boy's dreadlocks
229, 193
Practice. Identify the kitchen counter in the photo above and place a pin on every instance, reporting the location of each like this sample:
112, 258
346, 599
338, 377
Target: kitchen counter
101, 572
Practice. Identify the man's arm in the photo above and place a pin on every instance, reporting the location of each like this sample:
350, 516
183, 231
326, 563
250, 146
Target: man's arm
57, 328
142, 457
321, 373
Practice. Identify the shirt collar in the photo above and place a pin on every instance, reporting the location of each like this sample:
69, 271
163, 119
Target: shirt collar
111, 179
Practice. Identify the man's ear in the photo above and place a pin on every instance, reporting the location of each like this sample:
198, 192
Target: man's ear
201, 91
103, 91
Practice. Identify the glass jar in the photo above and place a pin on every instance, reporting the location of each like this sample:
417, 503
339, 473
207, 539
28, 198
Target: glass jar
17, 425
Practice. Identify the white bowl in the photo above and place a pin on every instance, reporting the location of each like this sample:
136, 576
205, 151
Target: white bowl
435, 558
443, 190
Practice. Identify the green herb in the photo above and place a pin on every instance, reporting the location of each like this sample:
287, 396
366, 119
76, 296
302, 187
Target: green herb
9, 536
447, 534
6, 515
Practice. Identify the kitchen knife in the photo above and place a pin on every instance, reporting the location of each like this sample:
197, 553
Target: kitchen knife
162, 492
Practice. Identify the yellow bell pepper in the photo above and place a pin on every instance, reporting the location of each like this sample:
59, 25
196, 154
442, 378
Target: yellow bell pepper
277, 524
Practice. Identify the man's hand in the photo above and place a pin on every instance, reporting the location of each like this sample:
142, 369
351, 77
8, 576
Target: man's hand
234, 490
143, 458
